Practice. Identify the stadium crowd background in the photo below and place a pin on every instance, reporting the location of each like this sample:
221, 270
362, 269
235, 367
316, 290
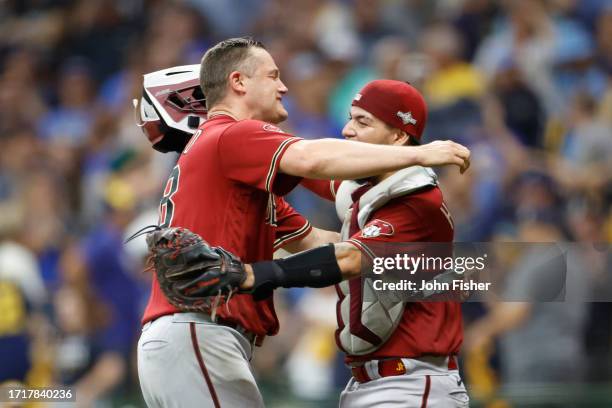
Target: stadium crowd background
526, 84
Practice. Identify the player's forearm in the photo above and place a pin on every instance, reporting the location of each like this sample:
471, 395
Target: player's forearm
342, 159
359, 160
317, 268
349, 260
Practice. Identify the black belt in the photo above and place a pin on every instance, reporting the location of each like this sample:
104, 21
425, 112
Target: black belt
251, 337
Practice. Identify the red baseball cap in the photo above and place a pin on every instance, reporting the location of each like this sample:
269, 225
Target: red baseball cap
396, 103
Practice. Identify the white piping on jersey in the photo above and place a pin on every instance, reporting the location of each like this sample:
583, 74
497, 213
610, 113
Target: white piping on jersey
274, 164
282, 240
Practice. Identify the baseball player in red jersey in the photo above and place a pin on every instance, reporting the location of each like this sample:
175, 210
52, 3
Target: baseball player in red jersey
225, 187
416, 365
169, 129
400, 354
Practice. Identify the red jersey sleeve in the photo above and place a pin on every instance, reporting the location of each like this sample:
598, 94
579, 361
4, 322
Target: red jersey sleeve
323, 188
291, 225
250, 153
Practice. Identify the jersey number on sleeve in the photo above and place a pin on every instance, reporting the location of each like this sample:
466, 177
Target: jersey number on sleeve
166, 205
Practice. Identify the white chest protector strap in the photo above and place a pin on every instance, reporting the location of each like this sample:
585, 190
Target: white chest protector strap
380, 316
402, 182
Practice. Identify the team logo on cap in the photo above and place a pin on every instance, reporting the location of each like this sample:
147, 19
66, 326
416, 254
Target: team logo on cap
406, 117
357, 96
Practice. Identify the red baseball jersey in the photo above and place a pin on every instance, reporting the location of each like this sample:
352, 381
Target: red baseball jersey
426, 328
224, 187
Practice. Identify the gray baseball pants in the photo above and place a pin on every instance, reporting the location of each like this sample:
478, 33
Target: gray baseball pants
427, 383
184, 360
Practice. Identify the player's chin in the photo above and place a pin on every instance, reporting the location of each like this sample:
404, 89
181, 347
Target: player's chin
281, 115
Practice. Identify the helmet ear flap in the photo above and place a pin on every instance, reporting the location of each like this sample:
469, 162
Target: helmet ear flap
172, 140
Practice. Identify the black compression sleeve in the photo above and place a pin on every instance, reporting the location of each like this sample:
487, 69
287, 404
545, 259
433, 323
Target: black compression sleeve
315, 268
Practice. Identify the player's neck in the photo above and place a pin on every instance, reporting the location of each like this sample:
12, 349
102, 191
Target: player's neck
234, 110
218, 112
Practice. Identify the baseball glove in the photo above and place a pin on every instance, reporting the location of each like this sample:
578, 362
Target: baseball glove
194, 276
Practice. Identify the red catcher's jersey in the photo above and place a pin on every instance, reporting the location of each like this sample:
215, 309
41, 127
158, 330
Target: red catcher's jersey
426, 328
224, 188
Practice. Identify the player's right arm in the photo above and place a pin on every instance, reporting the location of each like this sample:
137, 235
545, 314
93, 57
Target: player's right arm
345, 159
315, 238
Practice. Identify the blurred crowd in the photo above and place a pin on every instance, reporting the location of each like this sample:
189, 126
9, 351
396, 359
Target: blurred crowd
526, 84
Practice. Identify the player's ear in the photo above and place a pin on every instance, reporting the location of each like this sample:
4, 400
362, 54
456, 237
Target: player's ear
236, 82
400, 138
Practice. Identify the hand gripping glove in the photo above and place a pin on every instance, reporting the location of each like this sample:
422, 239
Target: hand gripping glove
194, 276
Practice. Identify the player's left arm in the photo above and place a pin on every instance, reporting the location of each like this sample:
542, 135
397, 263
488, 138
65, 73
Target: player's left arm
316, 268
330, 264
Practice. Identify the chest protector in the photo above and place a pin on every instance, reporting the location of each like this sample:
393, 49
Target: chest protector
380, 317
